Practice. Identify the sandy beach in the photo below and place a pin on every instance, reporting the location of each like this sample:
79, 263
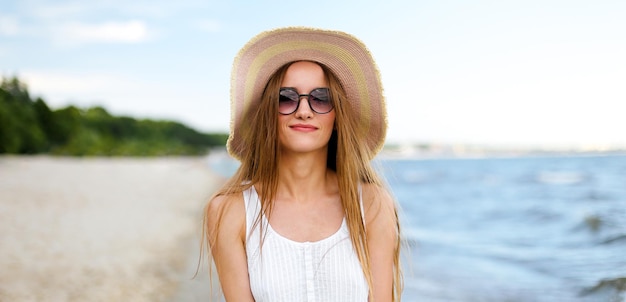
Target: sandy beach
102, 229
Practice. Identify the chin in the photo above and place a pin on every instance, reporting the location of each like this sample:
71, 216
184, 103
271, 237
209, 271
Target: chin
304, 147
304, 144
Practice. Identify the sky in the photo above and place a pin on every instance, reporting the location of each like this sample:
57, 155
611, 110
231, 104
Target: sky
528, 73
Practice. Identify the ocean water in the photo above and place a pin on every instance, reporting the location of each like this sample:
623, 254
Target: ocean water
512, 229
509, 229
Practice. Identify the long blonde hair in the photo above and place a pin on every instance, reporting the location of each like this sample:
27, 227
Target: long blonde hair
347, 156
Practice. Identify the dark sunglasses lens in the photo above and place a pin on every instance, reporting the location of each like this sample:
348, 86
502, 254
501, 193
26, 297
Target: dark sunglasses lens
287, 101
319, 99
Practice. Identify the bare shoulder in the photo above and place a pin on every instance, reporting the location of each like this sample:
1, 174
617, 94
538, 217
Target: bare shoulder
228, 202
225, 219
377, 200
383, 238
227, 214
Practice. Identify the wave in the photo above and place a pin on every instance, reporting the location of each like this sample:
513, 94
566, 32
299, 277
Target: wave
610, 289
615, 239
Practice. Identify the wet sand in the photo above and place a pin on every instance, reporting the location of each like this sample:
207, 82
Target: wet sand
102, 229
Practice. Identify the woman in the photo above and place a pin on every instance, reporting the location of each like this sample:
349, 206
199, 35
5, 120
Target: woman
305, 217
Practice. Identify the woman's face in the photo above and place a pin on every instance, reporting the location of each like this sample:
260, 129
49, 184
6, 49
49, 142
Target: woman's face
304, 130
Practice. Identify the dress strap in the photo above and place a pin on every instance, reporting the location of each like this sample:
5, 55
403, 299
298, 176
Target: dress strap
360, 188
253, 207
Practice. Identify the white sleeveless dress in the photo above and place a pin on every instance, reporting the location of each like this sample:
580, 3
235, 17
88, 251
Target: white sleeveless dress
327, 270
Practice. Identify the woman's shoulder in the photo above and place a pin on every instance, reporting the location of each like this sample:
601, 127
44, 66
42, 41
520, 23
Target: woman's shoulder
228, 202
377, 193
229, 208
377, 199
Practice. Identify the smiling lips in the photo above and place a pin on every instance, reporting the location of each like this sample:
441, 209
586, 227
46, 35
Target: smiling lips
303, 127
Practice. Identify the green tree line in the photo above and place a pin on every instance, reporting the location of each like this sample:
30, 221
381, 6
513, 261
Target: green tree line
29, 126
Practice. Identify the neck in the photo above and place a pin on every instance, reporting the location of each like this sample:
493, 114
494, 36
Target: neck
302, 176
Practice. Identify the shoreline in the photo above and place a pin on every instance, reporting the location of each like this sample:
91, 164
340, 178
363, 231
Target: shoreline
101, 229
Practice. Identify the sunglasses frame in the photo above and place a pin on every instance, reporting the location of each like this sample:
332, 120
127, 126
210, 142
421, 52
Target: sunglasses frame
308, 99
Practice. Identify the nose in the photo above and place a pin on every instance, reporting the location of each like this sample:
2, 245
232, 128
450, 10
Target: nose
304, 110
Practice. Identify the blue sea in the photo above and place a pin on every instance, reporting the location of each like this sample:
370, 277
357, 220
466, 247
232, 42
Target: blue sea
549, 228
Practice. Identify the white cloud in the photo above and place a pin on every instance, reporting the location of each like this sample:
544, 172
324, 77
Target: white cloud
109, 32
71, 22
68, 83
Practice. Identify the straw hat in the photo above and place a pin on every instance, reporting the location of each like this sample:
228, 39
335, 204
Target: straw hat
346, 56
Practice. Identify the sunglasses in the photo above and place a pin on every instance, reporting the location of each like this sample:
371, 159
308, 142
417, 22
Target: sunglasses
318, 99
